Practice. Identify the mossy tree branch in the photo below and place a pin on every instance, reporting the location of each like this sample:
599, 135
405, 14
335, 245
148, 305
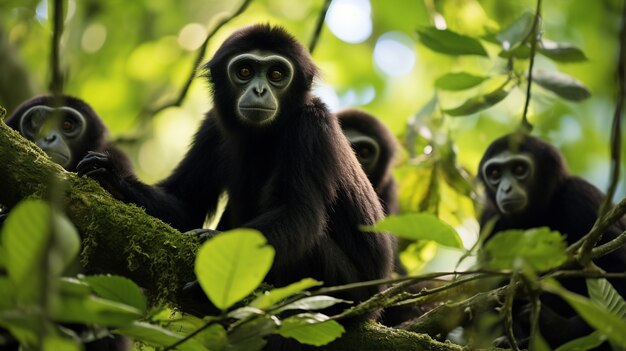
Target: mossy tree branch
121, 239
117, 238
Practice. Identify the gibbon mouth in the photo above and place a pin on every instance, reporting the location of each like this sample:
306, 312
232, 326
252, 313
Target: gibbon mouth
259, 108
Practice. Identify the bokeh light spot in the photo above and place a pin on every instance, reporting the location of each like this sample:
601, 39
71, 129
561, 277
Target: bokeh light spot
192, 36
350, 20
394, 54
93, 37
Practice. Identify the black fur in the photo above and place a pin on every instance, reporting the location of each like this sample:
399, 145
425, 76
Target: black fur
94, 139
382, 177
564, 203
295, 179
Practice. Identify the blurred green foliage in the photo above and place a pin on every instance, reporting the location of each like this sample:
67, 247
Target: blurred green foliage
127, 57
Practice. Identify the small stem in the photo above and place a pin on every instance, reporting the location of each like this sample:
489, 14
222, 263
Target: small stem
616, 142
536, 35
56, 79
319, 25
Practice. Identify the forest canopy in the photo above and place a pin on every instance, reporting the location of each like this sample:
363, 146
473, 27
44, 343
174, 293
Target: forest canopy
446, 77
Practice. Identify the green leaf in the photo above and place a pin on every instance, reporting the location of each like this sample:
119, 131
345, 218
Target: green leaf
245, 312
562, 85
55, 343
561, 52
269, 298
250, 336
597, 316
311, 329
312, 303
6, 293
540, 248
232, 264
478, 103
455, 176
520, 52
65, 245
458, 81
603, 293
73, 286
448, 42
3, 112
118, 289
93, 310
24, 258
418, 226
584, 343
157, 336
513, 35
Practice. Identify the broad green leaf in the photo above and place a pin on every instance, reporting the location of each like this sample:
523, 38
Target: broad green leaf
561, 52
29, 219
55, 343
418, 226
448, 42
562, 85
245, 312
269, 298
584, 343
520, 52
478, 103
455, 176
65, 245
250, 336
6, 293
312, 303
419, 189
24, 258
93, 310
597, 316
52, 243
603, 293
458, 81
160, 337
73, 286
311, 329
118, 289
416, 255
513, 35
540, 248
23, 325
232, 264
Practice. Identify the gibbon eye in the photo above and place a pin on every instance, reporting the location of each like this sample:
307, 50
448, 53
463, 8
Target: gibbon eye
244, 72
520, 170
276, 75
494, 174
67, 125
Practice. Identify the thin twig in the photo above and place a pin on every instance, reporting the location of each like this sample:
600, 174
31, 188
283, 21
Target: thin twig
319, 25
56, 79
616, 141
601, 224
201, 52
535, 36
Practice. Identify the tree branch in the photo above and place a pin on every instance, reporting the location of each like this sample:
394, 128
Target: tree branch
616, 141
56, 79
535, 36
200, 56
319, 25
148, 251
